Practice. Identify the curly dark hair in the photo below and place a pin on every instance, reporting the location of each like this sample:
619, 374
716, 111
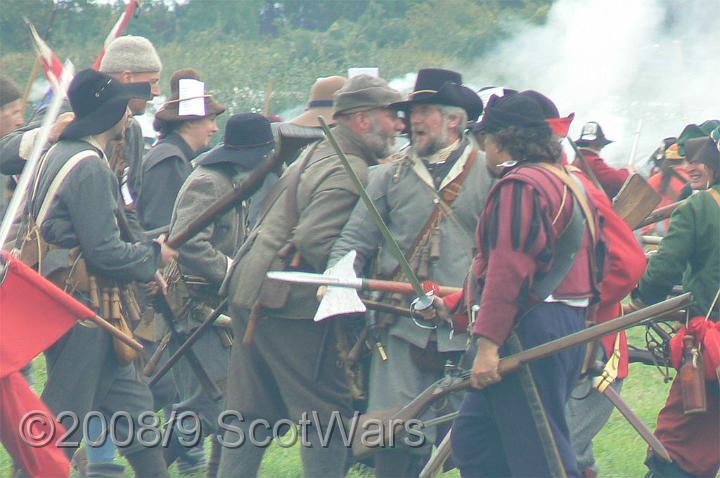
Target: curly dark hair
534, 145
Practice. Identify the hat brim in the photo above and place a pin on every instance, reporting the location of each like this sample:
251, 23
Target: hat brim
309, 119
246, 157
170, 113
451, 94
108, 114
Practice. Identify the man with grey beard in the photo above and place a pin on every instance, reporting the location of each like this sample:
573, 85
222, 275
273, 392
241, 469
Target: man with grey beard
432, 214
283, 365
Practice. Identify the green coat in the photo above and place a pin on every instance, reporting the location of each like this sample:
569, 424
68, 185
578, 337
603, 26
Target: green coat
689, 254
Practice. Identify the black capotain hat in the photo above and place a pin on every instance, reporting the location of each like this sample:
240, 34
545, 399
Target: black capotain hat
99, 102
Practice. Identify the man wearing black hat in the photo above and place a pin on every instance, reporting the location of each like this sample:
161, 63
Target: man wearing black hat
591, 142
430, 199
530, 288
284, 365
74, 207
206, 257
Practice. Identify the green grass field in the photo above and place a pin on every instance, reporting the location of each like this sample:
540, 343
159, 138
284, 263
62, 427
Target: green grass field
618, 448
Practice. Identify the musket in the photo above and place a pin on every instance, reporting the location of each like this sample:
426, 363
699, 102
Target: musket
239, 193
659, 214
449, 385
161, 305
207, 322
642, 429
436, 462
584, 165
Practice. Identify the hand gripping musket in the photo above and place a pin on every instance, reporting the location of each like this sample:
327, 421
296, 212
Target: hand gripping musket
448, 385
239, 193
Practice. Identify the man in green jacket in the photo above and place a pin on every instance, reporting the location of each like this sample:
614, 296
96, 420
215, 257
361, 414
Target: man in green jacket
689, 254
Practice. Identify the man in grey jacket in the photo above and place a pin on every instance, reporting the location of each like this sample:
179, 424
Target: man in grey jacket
286, 365
430, 197
84, 373
206, 257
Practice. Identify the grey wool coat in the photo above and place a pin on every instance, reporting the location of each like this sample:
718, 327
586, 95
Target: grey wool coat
325, 198
405, 195
208, 253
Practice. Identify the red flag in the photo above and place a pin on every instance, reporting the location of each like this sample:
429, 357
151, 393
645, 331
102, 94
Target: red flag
24, 413
35, 314
117, 30
51, 63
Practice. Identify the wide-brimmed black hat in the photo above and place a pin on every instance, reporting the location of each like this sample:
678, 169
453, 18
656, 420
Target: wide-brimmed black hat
248, 140
99, 102
592, 133
442, 87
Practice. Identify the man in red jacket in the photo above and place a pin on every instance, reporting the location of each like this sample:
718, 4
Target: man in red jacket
591, 142
525, 232
624, 266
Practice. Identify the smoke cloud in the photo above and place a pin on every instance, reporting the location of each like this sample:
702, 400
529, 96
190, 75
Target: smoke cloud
616, 62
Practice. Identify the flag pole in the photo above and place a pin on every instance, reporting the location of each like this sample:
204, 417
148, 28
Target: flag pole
30, 167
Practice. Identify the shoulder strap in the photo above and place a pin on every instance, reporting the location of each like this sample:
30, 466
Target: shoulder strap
291, 206
578, 193
442, 208
58, 180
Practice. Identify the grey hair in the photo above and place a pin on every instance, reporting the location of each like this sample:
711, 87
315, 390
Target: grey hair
455, 111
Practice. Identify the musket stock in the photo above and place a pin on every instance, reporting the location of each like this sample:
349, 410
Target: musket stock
446, 386
659, 214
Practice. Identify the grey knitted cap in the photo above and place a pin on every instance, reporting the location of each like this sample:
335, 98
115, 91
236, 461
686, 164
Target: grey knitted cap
131, 53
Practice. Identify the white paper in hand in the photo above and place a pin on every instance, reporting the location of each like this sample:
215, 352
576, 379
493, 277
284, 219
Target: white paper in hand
340, 300
192, 97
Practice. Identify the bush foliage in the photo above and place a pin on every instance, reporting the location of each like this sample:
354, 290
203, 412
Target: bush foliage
241, 45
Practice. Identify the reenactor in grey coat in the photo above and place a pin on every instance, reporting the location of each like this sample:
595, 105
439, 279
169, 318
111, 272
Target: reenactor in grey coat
430, 197
128, 59
204, 260
286, 365
86, 253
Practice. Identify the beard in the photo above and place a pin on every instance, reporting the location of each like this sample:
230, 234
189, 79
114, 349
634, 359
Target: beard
379, 142
426, 144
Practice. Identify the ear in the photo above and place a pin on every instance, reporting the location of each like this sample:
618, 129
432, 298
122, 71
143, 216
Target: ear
453, 121
126, 77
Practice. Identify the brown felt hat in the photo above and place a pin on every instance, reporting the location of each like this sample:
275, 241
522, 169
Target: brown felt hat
363, 93
320, 102
170, 110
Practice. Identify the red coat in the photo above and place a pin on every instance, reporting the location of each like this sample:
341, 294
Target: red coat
669, 195
610, 179
624, 266
516, 235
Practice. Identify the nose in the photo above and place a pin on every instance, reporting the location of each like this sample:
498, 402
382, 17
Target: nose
155, 89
